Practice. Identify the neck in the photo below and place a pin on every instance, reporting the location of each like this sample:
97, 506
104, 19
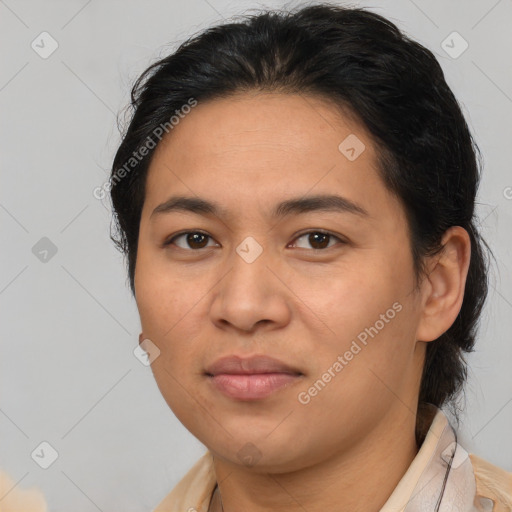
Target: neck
361, 479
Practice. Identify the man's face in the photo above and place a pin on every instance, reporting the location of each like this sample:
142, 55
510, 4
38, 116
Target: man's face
327, 291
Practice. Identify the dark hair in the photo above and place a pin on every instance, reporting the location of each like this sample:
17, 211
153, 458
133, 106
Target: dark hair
363, 64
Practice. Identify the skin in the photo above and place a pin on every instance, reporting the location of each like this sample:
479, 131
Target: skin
304, 305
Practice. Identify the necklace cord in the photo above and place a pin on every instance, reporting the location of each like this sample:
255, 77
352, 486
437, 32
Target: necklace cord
438, 504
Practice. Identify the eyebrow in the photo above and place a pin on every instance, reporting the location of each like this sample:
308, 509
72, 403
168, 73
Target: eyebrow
325, 203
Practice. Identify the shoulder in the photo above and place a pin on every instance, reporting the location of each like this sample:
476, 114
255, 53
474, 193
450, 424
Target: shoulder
494, 483
194, 490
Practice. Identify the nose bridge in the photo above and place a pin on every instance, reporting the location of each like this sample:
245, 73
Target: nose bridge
249, 292
247, 283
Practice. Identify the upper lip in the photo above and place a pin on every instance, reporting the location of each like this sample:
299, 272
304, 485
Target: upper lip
249, 365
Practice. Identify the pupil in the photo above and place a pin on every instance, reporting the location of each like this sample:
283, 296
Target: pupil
194, 239
314, 240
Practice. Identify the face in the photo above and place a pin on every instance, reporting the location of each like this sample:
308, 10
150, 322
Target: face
301, 255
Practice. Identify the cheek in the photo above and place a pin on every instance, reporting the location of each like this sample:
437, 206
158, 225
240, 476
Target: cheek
363, 373
163, 299
350, 298
368, 315
168, 320
172, 310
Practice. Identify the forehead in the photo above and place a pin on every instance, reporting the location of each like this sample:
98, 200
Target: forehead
297, 124
268, 146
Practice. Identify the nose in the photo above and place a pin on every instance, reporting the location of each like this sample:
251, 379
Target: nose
251, 295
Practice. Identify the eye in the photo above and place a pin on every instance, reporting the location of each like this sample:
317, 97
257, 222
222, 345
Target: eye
196, 240
318, 239
192, 239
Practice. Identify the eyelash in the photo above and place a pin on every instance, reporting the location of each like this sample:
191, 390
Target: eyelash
170, 241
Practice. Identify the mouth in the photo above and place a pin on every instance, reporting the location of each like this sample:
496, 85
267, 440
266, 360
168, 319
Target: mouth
253, 378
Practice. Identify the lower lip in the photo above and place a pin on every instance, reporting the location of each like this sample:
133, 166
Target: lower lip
251, 387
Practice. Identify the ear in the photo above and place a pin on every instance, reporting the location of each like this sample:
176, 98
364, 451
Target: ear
141, 338
443, 288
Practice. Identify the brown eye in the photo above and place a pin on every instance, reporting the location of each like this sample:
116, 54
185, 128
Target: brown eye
318, 239
193, 240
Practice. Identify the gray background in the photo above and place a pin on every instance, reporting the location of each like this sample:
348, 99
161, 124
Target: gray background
69, 324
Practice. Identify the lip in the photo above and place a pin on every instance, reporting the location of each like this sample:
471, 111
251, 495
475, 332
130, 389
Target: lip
251, 378
237, 365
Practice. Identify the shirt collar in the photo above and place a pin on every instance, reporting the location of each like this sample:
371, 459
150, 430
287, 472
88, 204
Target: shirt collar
440, 478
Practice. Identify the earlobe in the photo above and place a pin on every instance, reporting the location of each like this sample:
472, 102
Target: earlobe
141, 338
446, 285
